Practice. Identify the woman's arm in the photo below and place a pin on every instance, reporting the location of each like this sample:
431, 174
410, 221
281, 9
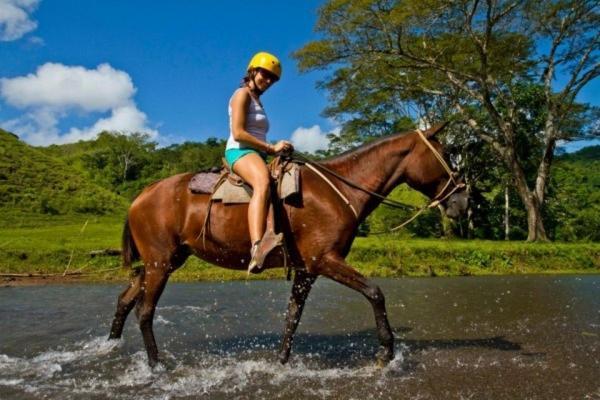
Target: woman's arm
239, 108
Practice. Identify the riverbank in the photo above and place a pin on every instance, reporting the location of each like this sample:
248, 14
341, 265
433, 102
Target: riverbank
87, 250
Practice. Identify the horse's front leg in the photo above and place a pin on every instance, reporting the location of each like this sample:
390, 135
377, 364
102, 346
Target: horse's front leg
302, 285
333, 266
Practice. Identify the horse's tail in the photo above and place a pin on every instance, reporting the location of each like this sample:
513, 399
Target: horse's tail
129, 249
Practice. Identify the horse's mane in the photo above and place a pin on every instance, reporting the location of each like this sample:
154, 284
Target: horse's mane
364, 148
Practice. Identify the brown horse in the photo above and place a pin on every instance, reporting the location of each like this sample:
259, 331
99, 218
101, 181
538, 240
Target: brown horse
164, 224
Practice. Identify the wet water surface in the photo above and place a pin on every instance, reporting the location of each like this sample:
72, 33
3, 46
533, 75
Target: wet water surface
521, 337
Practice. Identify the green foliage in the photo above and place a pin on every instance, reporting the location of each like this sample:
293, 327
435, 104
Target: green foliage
384, 218
190, 156
30, 180
60, 180
574, 201
490, 64
125, 164
99, 176
572, 205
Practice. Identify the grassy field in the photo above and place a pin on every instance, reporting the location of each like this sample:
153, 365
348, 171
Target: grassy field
60, 244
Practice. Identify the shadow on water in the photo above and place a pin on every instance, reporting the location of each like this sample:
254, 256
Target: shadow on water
494, 343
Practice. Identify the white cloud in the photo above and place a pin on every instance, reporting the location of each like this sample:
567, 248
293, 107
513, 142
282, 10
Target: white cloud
127, 118
14, 18
36, 41
309, 139
55, 91
62, 86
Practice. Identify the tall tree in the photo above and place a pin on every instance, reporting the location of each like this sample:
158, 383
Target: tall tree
119, 157
394, 58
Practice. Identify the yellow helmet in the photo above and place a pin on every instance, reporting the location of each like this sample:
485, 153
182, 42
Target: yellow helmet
266, 61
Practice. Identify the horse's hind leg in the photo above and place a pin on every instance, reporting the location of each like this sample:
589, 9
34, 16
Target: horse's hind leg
335, 267
159, 263
152, 287
302, 285
125, 304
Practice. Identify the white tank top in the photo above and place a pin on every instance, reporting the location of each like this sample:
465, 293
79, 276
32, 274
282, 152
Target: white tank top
257, 123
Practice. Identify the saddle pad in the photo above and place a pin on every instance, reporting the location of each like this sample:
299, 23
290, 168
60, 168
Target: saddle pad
230, 193
203, 182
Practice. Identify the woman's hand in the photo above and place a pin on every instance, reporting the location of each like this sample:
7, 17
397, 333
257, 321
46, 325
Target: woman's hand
283, 146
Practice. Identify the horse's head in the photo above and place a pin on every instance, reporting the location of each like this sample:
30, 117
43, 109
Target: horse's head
427, 171
455, 204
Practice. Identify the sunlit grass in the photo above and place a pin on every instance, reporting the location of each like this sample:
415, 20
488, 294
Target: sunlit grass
54, 245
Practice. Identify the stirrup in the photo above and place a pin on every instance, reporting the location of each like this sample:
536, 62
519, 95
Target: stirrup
261, 250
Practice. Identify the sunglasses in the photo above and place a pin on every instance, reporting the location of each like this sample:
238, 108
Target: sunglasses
268, 74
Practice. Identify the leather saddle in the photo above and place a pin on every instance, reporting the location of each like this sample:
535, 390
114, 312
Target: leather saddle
226, 186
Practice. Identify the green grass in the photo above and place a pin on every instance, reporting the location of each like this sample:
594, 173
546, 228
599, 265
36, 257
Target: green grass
30, 245
392, 257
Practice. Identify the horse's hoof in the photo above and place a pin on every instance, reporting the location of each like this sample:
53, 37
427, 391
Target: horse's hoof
283, 358
153, 362
114, 336
158, 366
384, 356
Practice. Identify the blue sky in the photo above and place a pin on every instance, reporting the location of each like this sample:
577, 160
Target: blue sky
183, 59
71, 67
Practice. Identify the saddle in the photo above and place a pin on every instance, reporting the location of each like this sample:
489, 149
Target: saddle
229, 188
225, 186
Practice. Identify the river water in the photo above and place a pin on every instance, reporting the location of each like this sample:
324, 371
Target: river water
518, 337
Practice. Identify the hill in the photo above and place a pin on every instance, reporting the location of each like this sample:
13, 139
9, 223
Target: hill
31, 181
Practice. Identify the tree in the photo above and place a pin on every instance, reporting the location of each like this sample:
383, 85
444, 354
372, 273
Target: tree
119, 158
431, 58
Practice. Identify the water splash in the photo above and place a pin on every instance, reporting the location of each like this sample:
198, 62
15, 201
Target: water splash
91, 368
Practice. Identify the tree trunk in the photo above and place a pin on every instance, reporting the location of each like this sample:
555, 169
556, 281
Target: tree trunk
535, 224
470, 217
125, 168
506, 214
470, 223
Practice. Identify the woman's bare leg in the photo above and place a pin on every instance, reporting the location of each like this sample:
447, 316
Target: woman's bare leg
252, 169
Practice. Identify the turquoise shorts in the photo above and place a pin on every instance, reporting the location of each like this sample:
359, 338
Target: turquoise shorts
232, 155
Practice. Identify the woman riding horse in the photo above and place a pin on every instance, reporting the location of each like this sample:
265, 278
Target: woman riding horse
247, 147
164, 223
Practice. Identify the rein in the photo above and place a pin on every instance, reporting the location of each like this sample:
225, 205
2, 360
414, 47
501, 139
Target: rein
313, 165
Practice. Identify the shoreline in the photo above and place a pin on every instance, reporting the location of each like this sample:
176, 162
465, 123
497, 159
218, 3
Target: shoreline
37, 280
43, 280
34, 257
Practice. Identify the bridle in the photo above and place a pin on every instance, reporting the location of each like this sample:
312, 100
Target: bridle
457, 185
439, 197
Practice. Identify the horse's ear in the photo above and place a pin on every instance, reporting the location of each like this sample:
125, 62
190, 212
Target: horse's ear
434, 130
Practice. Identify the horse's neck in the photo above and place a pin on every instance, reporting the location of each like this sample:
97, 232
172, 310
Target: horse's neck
375, 167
